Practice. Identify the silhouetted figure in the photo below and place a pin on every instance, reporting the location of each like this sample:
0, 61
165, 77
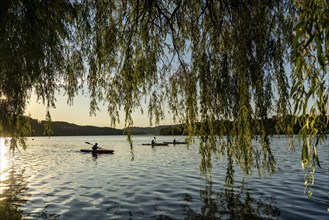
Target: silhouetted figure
94, 148
153, 141
174, 141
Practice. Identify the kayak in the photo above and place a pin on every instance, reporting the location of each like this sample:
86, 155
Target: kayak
177, 142
157, 144
100, 151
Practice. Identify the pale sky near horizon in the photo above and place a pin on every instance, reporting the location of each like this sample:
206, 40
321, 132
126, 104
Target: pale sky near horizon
78, 113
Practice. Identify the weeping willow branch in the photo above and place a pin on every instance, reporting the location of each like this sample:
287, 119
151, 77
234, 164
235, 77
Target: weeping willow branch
221, 66
310, 81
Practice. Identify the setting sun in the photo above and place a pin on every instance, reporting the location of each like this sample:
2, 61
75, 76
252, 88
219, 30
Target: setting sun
2, 97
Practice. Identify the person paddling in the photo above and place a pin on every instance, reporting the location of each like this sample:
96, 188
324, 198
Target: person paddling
95, 147
153, 141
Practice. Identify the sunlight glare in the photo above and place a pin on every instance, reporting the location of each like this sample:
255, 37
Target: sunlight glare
3, 98
3, 161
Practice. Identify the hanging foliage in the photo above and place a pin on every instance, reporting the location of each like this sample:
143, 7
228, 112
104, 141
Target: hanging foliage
220, 66
310, 80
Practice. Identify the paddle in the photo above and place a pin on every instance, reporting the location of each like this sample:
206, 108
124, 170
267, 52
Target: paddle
92, 144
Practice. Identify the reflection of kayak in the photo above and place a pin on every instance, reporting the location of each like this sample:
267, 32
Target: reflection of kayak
157, 144
177, 142
100, 151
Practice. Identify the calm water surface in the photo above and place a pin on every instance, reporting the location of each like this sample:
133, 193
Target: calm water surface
53, 180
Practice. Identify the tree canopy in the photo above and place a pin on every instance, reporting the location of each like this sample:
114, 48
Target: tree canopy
211, 61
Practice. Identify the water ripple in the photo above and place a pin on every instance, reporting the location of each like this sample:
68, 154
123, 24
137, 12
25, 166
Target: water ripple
53, 180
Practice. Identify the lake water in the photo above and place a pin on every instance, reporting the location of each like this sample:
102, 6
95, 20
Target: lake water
51, 179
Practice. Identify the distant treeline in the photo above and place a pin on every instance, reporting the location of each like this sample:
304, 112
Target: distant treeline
59, 128
273, 125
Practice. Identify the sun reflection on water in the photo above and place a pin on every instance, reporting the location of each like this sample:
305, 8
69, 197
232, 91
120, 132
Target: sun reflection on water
3, 162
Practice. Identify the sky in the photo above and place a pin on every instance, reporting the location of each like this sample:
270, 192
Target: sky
78, 113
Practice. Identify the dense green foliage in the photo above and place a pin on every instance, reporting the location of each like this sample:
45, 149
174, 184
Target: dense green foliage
209, 60
10, 201
9, 213
310, 80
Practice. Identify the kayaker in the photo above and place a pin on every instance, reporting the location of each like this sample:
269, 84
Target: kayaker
153, 141
95, 147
